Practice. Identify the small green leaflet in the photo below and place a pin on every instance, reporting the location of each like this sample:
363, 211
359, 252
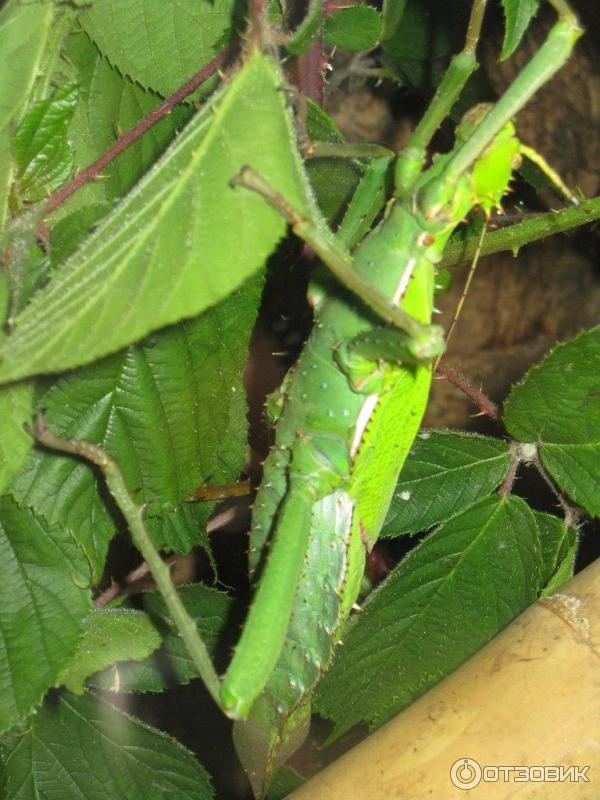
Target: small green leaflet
43, 153
182, 240
518, 14
354, 28
557, 406
42, 608
445, 473
104, 753
109, 635
559, 547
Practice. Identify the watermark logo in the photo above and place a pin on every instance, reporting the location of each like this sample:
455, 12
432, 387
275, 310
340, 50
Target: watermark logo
466, 773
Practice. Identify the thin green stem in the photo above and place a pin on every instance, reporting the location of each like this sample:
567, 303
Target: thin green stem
475, 23
564, 10
514, 237
133, 515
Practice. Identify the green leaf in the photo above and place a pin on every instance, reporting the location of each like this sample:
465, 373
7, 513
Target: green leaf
393, 11
320, 126
422, 39
304, 35
43, 609
333, 180
171, 665
110, 104
24, 30
26, 265
518, 15
559, 547
355, 28
171, 412
109, 635
43, 154
70, 231
16, 408
448, 597
180, 242
160, 44
78, 748
444, 474
557, 406
286, 781
565, 570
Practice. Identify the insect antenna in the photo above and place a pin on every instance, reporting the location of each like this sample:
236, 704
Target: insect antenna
465, 290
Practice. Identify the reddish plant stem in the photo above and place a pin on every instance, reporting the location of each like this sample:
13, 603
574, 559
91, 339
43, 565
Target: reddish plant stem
310, 71
256, 27
129, 137
570, 512
509, 479
482, 401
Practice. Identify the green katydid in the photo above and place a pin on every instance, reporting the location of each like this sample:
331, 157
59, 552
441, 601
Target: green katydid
348, 412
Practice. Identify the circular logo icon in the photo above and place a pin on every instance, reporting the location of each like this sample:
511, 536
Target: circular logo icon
465, 773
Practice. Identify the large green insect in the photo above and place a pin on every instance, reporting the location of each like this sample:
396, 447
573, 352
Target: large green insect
348, 412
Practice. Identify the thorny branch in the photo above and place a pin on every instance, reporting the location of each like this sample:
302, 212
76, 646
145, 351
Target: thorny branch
481, 400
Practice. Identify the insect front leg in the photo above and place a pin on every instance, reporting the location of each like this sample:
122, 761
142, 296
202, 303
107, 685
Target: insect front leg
338, 260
